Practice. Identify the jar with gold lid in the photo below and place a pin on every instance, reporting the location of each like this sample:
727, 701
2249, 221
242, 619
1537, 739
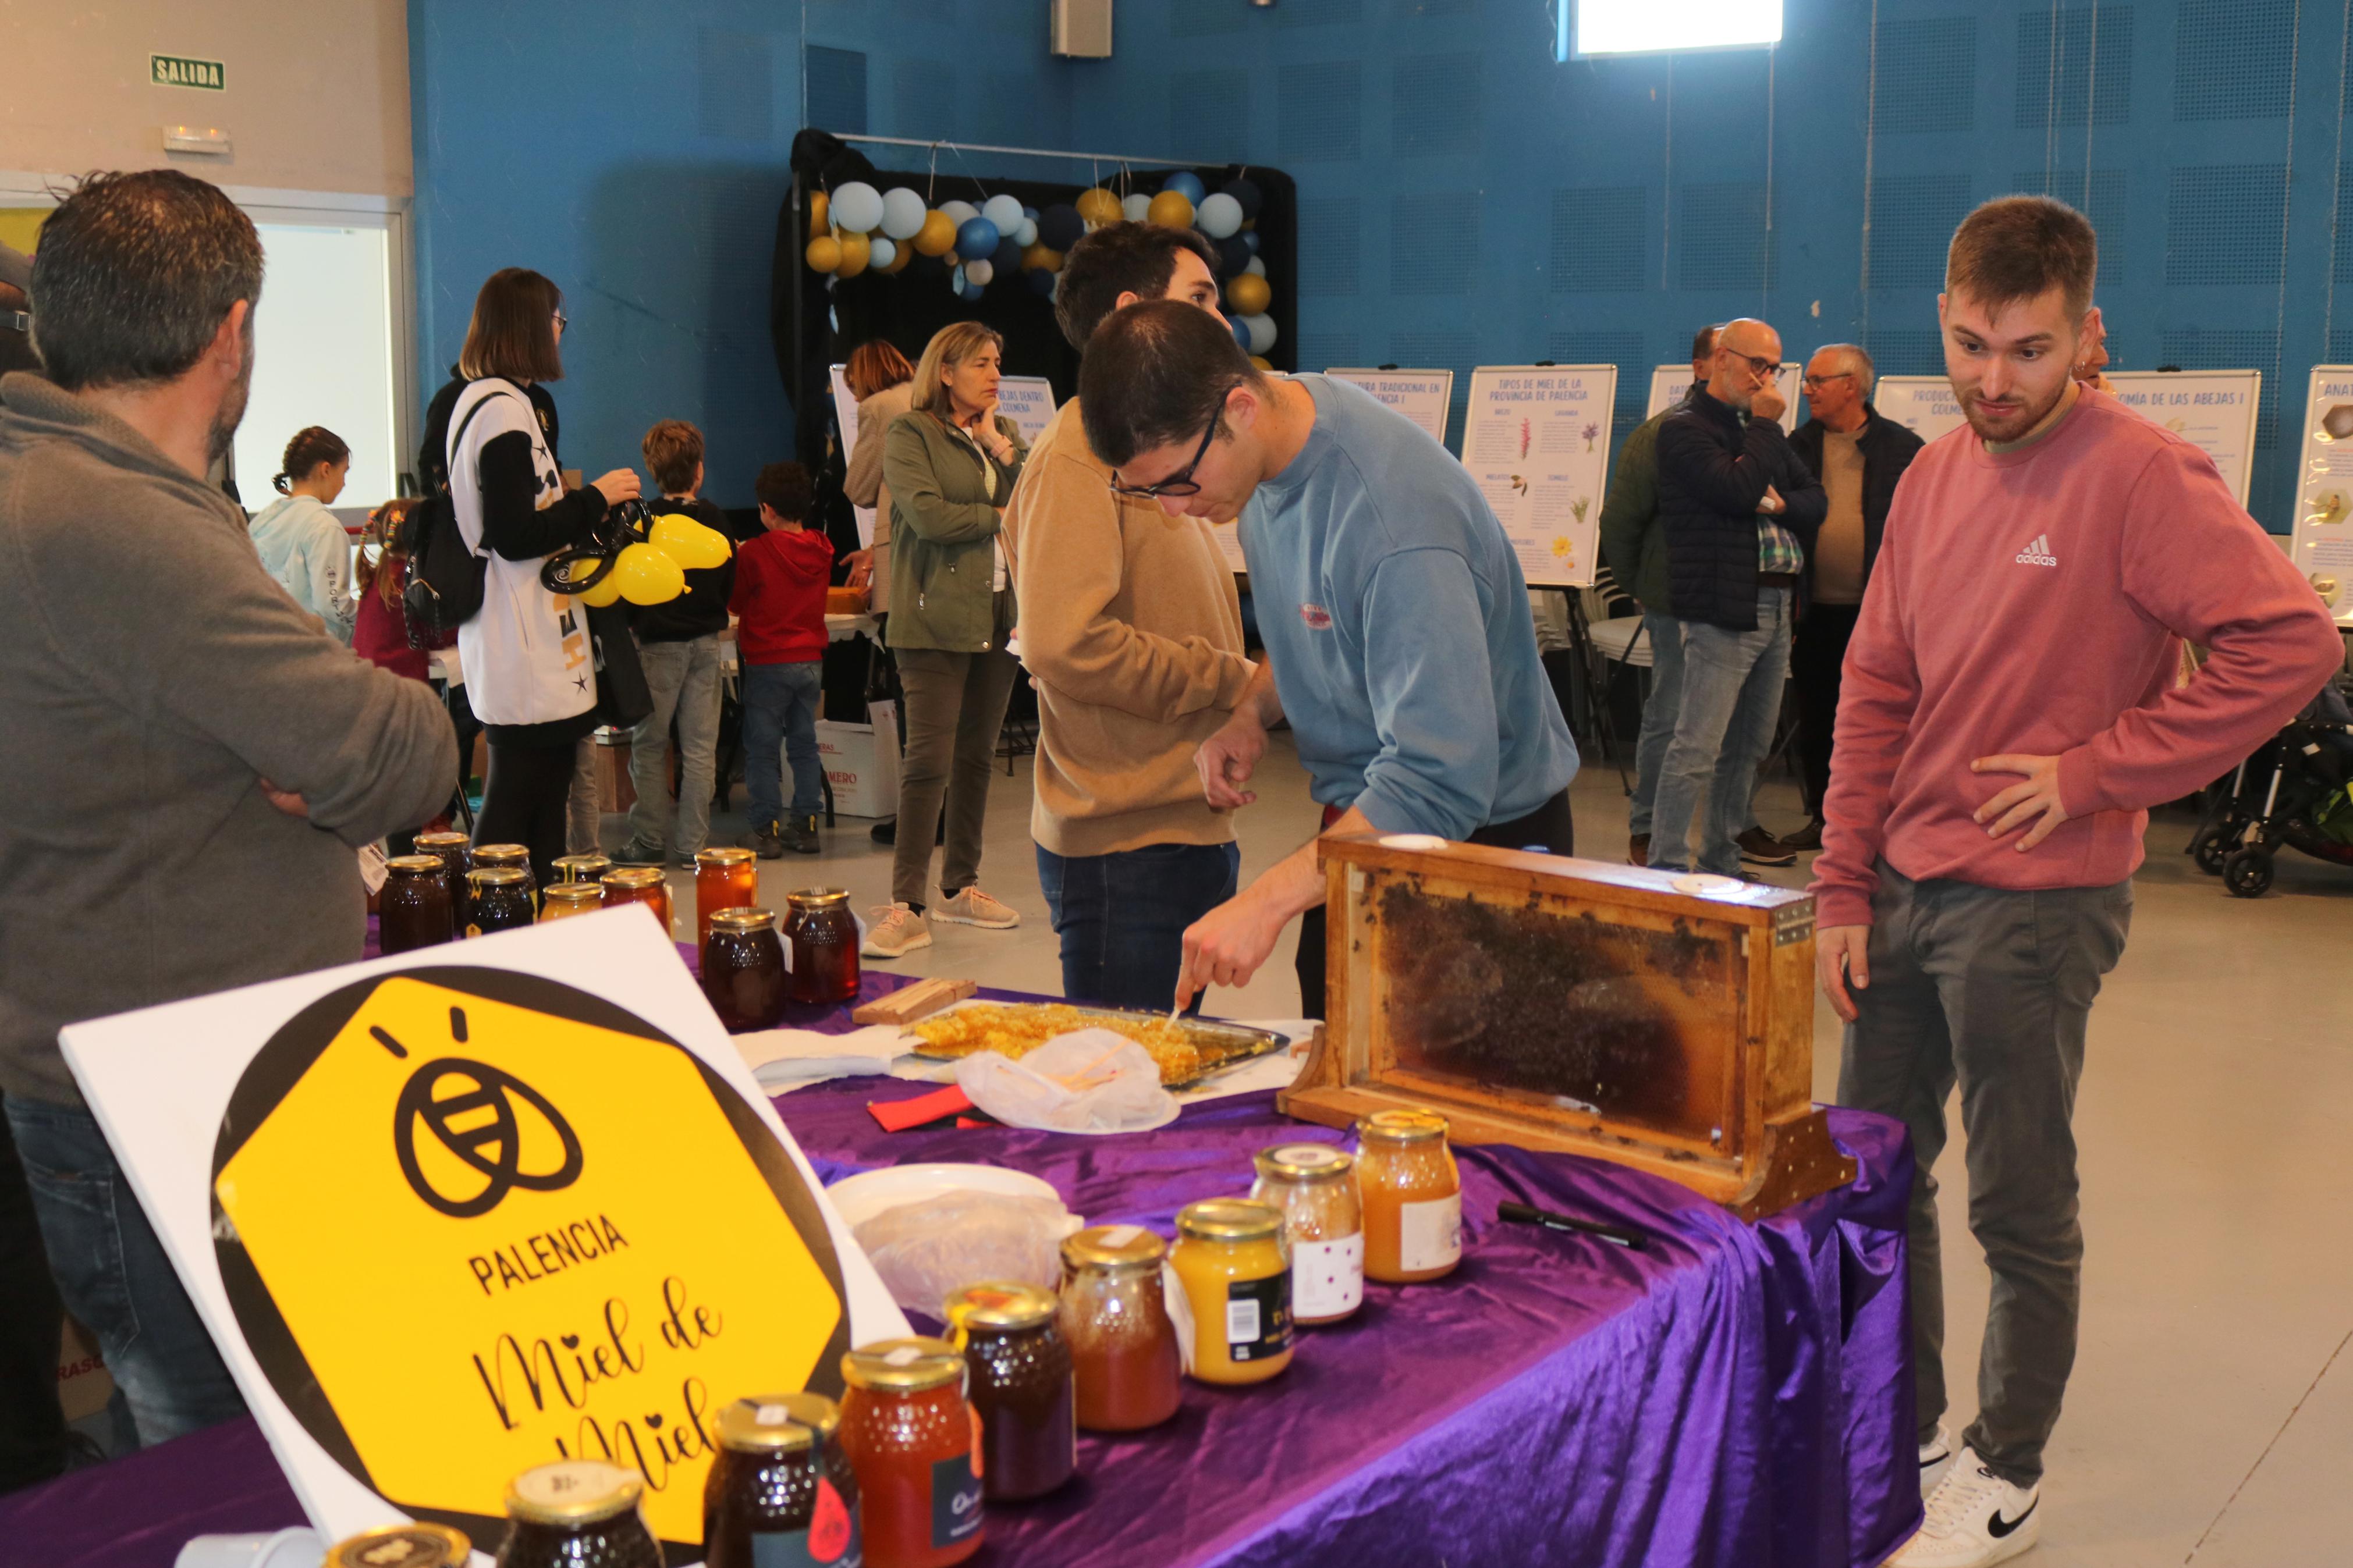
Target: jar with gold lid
823, 934
1124, 1359
1412, 1194
497, 898
578, 1513
413, 910
452, 848
1323, 1221
1233, 1274
914, 1442
579, 868
780, 1488
1019, 1382
724, 879
564, 899
417, 1545
744, 976
638, 885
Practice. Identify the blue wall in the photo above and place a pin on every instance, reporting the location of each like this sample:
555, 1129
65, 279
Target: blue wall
1464, 197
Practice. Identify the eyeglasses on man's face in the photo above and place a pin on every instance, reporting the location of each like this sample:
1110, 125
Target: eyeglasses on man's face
1810, 382
1767, 368
1181, 482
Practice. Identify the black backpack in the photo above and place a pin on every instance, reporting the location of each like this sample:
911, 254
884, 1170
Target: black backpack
445, 578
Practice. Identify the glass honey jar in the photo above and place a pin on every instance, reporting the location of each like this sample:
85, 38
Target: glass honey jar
413, 910
417, 1545
453, 850
1233, 1274
1413, 1197
780, 1489
564, 899
1323, 1221
915, 1441
578, 1513
1017, 1369
638, 885
513, 855
823, 934
1113, 1312
744, 976
579, 868
497, 898
724, 879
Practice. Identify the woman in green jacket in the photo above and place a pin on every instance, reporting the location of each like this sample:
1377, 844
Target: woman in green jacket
950, 463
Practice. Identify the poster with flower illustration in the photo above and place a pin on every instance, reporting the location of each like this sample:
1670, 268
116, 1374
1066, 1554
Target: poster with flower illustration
2323, 544
1538, 441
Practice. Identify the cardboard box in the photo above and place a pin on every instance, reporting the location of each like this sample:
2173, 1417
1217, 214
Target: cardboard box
614, 791
862, 769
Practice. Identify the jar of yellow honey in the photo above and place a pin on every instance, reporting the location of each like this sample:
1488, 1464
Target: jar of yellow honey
1232, 1301
1413, 1197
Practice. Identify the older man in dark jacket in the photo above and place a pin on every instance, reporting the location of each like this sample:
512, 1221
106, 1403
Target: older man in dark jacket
1858, 456
1739, 509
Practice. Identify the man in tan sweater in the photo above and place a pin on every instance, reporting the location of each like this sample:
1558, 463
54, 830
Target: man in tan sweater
1132, 633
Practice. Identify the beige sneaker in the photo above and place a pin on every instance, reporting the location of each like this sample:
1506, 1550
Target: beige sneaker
893, 931
974, 908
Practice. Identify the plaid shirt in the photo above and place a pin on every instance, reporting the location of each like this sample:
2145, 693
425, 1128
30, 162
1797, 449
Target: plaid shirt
1776, 548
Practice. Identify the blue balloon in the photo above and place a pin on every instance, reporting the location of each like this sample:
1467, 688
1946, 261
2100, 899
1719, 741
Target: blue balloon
1241, 332
972, 290
1059, 226
1008, 256
1041, 281
1250, 238
1189, 183
1030, 213
1247, 193
1233, 256
976, 238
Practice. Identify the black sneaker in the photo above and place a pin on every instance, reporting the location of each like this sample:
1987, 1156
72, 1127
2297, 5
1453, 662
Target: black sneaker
1760, 847
885, 831
1807, 840
634, 853
799, 834
767, 841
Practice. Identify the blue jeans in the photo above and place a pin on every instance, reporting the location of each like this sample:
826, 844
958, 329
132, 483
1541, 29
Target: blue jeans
1664, 634
115, 1277
1121, 917
1723, 726
780, 712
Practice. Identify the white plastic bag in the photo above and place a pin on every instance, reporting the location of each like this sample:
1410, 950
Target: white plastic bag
1089, 1080
925, 1250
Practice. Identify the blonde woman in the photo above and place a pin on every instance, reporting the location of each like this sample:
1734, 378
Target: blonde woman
951, 462
884, 384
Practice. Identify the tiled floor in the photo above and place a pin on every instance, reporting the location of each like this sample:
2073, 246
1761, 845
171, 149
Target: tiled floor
2211, 1418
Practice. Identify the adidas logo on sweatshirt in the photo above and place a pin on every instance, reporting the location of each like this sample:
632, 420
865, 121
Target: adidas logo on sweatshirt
2038, 553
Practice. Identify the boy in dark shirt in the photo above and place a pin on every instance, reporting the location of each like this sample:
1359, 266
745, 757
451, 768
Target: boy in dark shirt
780, 582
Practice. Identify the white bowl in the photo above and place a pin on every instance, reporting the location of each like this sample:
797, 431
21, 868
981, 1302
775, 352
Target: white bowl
860, 1197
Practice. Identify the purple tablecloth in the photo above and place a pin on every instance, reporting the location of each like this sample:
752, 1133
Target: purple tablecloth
1737, 1394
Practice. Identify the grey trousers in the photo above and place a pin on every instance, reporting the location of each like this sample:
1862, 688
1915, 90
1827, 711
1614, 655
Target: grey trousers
955, 705
584, 813
1989, 989
683, 678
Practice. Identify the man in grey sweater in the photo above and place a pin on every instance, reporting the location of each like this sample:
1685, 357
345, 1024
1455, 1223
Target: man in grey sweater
192, 761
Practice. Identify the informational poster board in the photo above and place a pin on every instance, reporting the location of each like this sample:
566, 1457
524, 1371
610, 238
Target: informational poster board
455, 1213
2213, 409
1923, 405
1669, 383
1422, 396
845, 413
2323, 545
1027, 400
1537, 440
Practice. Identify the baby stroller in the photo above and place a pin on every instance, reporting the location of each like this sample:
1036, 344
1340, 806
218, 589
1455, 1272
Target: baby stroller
2299, 777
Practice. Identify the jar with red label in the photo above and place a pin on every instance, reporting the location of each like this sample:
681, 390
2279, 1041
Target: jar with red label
914, 1442
780, 1490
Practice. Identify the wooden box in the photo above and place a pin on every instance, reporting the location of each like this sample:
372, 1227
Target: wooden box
1662, 1021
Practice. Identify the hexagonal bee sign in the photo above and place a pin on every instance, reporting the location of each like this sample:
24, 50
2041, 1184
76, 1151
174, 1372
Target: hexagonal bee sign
471, 1220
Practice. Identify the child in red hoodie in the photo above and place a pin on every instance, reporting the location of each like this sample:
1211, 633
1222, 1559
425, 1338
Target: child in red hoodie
780, 582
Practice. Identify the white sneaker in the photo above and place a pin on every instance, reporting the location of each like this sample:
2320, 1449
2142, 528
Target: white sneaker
892, 930
974, 908
1935, 1460
1975, 1517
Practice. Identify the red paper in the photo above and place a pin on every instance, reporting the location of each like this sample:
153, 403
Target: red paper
898, 1115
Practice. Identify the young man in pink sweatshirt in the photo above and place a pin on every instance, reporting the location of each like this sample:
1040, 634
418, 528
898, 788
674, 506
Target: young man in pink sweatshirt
2007, 716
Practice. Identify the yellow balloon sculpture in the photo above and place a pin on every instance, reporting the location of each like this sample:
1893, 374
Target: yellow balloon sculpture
1170, 209
857, 250
1098, 206
647, 576
1250, 294
823, 253
605, 593
690, 543
937, 236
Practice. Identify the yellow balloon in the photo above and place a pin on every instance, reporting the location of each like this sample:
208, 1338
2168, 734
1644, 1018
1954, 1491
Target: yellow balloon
603, 594
823, 253
690, 543
1041, 258
819, 203
857, 250
1098, 206
647, 576
937, 236
904, 253
1170, 209
1250, 294
1262, 361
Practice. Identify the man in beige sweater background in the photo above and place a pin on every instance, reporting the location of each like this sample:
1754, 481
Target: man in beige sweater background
1133, 632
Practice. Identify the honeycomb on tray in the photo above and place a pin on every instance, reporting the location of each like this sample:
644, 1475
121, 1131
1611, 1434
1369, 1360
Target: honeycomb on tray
1015, 1028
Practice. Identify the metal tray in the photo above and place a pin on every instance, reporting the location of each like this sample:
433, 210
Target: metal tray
1221, 1044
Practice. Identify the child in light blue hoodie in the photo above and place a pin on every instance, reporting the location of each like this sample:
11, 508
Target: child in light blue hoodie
299, 540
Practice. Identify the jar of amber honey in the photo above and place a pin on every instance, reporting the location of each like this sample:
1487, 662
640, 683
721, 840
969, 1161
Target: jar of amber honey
1017, 1370
780, 1488
743, 970
824, 938
914, 1442
413, 910
724, 879
1233, 1274
564, 899
579, 867
1412, 1194
507, 856
578, 1513
1323, 1220
452, 848
638, 885
498, 898
1113, 1312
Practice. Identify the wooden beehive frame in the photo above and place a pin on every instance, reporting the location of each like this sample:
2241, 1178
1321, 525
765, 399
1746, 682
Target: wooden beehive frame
1773, 1147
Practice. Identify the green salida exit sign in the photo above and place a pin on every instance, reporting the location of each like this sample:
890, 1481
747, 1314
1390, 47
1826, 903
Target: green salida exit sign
178, 70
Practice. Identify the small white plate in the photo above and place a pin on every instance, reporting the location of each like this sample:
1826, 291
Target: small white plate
860, 1197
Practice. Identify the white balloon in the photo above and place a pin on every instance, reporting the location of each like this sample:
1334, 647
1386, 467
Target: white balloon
903, 213
962, 212
1004, 212
979, 271
856, 207
1217, 215
1262, 332
1256, 268
881, 253
1137, 207
1027, 234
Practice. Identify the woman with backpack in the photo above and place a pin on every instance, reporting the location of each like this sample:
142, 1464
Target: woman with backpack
529, 666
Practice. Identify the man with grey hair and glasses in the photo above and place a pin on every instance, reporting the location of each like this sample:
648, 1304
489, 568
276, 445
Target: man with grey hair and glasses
1858, 455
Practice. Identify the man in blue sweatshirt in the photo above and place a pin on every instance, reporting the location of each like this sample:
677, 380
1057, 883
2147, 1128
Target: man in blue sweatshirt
1395, 618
